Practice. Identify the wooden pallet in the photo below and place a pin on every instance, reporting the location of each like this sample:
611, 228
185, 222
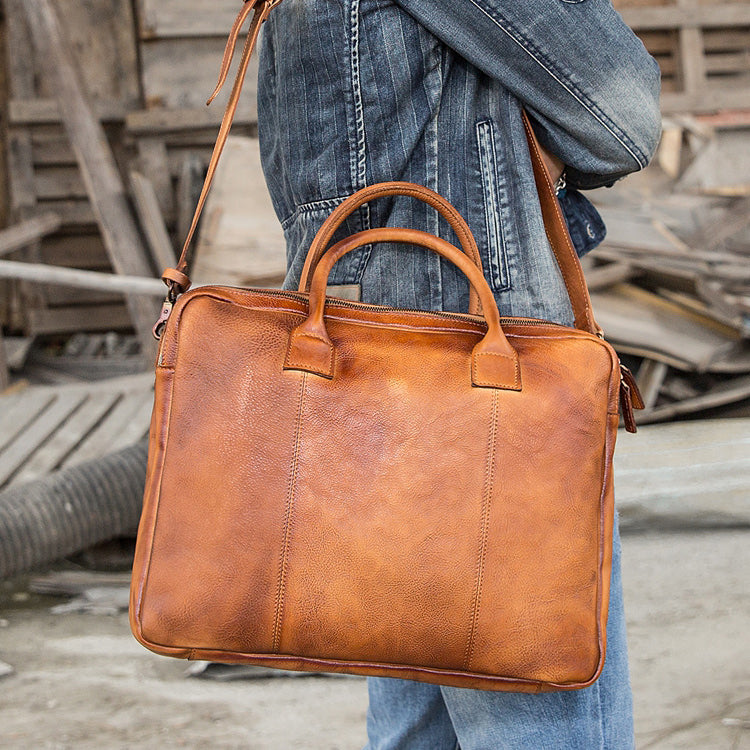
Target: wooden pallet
703, 49
44, 428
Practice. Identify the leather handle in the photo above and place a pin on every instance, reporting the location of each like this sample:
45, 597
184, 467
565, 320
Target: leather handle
494, 362
382, 190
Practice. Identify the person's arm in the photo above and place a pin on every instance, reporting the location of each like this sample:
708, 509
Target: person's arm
582, 74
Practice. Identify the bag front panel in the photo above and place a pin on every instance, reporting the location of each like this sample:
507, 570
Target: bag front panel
391, 515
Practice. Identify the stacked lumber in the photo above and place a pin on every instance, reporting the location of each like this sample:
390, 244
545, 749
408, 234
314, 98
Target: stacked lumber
671, 289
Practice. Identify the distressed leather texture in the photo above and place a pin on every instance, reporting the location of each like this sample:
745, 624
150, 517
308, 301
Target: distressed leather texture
335, 486
404, 513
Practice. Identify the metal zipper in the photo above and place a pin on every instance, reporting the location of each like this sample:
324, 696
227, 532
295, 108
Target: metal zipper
463, 317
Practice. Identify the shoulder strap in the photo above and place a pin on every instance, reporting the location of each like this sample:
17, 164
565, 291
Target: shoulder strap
557, 231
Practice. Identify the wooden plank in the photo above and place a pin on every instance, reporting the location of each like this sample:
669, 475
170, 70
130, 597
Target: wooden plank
153, 163
46, 111
152, 222
20, 173
100, 173
16, 454
23, 200
4, 367
698, 469
53, 152
703, 16
138, 425
650, 377
708, 100
20, 67
185, 18
75, 319
722, 168
729, 223
41, 273
107, 434
20, 411
75, 214
188, 191
16, 350
638, 322
182, 73
727, 392
63, 296
161, 120
59, 183
241, 242
78, 250
102, 30
692, 64
68, 436
606, 275
23, 234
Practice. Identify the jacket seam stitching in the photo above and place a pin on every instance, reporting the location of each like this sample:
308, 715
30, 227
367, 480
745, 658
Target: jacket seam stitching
527, 46
358, 156
311, 207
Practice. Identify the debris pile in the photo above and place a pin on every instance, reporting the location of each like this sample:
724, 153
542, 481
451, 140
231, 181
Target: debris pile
671, 283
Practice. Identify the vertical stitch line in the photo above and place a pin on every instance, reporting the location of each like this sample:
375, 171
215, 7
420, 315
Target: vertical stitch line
489, 480
358, 157
359, 161
287, 521
496, 244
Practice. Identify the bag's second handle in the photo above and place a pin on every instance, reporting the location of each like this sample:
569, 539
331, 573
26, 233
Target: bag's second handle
494, 362
383, 190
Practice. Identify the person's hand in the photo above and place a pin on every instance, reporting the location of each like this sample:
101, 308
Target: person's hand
554, 165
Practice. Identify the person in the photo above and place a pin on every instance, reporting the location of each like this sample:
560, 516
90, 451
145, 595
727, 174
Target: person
354, 92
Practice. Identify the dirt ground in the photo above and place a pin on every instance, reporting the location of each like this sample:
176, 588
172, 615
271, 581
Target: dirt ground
81, 681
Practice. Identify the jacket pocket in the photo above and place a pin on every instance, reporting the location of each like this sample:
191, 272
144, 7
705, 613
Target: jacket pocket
494, 246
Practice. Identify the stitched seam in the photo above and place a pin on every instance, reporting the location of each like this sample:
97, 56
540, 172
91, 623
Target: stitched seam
486, 504
518, 37
311, 207
496, 245
358, 162
517, 368
556, 207
291, 489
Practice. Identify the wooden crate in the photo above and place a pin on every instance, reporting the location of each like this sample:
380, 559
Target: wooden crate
703, 49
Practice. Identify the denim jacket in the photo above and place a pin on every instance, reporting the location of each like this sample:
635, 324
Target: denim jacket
353, 92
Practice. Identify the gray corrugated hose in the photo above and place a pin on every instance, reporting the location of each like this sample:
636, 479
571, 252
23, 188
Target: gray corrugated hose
71, 510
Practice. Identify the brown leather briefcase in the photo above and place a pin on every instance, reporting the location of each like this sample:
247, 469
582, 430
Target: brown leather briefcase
337, 486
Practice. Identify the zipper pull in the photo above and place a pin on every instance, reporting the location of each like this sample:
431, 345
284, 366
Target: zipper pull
630, 398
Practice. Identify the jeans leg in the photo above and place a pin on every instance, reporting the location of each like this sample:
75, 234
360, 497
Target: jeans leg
599, 717
406, 715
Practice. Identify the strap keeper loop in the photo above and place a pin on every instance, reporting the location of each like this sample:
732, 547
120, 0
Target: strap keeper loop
176, 280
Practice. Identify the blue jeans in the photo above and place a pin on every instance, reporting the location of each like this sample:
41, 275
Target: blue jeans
406, 715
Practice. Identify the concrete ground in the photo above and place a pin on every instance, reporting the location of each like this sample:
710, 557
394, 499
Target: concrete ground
82, 682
